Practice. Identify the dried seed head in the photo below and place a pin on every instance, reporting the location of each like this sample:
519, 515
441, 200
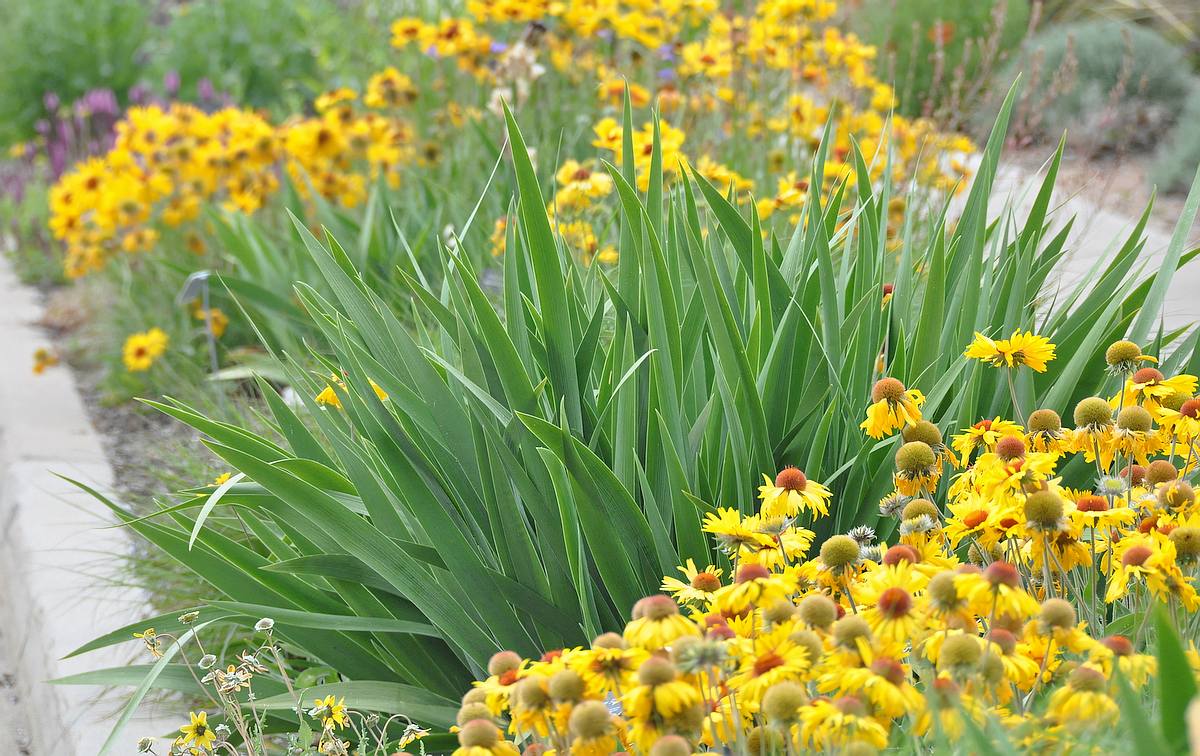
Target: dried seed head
839, 551
1010, 447
782, 701
503, 661
818, 610
1122, 352
1136, 556
1135, 418
1092, 503
1160, 471
591, 719
1057, 614
887, 388
656, 671
991, 668
1044, 420
923, 431
478, 733
1094, 412
1044, 508
1137, 471
791, 479
915, 457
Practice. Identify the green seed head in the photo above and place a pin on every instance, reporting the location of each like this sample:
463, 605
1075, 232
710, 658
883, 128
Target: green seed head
1093, 411
1176, 494
1122, 352
924, 431
1160, 471
959, 652
818, 610
590, 719
1187, 543
915, 456
1135, 418
1057, 614
839, 551
478, 733
918, 507
850, 628
1044, 420
1044, 508
782, 701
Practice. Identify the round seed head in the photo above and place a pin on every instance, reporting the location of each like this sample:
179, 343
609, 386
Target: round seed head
851, 705
991, 668
478, 733
530, 693
887, 388
818, 610
924, 431
1092, 503
959, 651
706, 581
1087, 679
1137, 471
1176, 494
1148, 375
1044, 420
671, 745
655, 607
752, 571
914, 457
894, 603
473, 711
791, 479
809, 641
900, 553
474, 695
839, 551
1057, 614
1010, 447
609, 640
503, 661
590, 719
779, 612
656, 671
1135, 418
1190, 408
1187, 542
1044, 508
566, 685
1004, 639
782, 701
1122, 351
1093, 411
1002, 573
764, 740
1160, 471
1136, 556
941, 589
1119, 645
1175, 400
850, 628
918, 507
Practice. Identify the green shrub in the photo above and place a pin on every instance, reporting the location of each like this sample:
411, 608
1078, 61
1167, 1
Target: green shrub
972, 37
516, 473
1110, 84
65, 47
1181, 150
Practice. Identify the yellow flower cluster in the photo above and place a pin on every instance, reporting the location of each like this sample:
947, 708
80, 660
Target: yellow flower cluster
142, 350
990, 607
169, 162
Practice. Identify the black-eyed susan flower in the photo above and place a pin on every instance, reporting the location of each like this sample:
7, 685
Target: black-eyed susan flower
142, 350
791, 493
1018, 349
892, 407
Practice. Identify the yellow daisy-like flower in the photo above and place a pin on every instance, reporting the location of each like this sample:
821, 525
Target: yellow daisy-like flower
766, 660
983, 435
826, 726
755, 587
1018, 349
657, 623
792, 493
330, 710
1149, 388
1083, 702
700, 587
197, 733
887, 601
141, 350
893, 407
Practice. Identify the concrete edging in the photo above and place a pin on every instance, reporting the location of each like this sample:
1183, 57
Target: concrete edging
57, 559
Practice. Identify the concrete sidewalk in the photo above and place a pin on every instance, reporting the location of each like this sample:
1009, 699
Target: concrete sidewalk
59, 563
1099, 232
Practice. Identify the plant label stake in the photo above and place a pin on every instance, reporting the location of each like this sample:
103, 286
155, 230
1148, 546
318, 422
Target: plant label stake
195, 286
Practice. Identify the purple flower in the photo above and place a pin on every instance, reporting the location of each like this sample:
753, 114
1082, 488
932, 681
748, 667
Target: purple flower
171, 83
205, 91
51, 101
666, 74
497, 47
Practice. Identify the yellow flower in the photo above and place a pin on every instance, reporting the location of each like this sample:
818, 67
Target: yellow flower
330, 710
792, 493
197, 732
983, 435
152, 641
700, 585
1018, 349
767, 659
143, 349
657, 623
1083, 703
893, 407
42, 359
